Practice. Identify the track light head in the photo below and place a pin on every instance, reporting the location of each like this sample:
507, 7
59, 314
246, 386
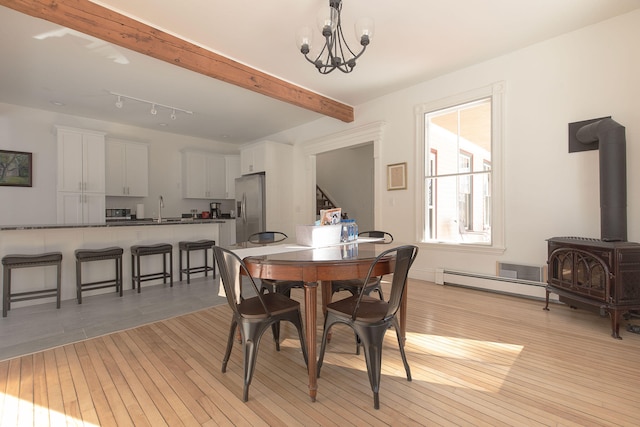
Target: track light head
153, 109
173, 115
119, 103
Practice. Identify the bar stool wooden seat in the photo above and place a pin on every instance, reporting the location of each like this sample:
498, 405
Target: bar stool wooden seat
9, 262
87, 255
198, 245
138, 251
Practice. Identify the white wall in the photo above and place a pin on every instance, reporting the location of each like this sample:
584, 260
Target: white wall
585, 74
26, 129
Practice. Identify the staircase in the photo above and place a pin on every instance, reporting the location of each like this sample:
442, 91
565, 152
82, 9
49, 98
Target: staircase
322, 201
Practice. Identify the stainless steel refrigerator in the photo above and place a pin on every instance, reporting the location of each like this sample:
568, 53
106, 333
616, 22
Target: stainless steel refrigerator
250, 206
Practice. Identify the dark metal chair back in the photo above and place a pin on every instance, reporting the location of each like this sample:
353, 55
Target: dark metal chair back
404, 257
267, 237
388, 238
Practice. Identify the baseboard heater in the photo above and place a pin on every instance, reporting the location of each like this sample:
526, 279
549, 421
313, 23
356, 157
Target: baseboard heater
504, 285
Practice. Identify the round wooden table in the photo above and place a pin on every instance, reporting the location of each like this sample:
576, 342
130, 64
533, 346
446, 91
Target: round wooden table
316, 266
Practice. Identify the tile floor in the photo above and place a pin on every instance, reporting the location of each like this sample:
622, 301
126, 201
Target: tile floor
34, 328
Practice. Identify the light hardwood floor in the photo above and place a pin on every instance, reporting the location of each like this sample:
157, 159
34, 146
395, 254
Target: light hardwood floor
477, 359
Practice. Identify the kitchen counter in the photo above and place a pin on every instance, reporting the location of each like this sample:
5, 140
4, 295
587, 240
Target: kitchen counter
115, 223
66, 238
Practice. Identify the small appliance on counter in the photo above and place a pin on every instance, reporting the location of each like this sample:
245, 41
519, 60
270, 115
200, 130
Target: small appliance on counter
215, 210
117, 214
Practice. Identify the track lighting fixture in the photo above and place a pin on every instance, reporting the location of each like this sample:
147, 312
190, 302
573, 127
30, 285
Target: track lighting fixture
154, 105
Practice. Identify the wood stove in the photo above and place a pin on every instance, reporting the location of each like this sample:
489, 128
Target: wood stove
592, 272
602, 273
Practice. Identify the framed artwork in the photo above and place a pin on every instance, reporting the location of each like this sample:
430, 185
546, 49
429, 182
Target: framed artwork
15, 168
397, 176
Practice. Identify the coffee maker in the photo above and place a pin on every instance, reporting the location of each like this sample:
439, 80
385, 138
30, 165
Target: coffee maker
214, 209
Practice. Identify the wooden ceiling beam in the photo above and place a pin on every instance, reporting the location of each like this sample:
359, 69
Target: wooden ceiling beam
113, 27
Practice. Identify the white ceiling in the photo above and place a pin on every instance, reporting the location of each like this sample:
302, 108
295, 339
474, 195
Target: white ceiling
414, 41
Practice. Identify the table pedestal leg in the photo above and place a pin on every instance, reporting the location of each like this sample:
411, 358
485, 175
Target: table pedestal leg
310, 306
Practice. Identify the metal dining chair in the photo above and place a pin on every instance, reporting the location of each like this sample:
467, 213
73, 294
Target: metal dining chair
370, 317
267, 237
353, 286
267, 285
253, 315
274, 286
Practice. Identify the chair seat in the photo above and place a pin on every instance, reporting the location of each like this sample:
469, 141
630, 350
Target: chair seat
159, 248
195, 245
276, 303
98, 254
17, 260
371, 310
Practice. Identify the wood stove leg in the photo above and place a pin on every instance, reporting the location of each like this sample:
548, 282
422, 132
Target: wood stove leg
615, 323
546, 307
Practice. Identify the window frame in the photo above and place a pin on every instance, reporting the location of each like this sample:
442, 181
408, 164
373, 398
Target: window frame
497, 93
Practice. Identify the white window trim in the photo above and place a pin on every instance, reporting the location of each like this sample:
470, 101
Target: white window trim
497, 92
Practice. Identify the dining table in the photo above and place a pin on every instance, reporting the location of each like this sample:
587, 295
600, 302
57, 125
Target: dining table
318, 267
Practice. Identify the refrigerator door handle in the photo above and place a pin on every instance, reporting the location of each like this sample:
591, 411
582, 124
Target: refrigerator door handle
244, 208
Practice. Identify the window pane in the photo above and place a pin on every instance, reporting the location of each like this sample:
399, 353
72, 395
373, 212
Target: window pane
458, 174
454, 216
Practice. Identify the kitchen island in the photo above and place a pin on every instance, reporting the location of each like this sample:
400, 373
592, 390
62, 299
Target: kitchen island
66, 238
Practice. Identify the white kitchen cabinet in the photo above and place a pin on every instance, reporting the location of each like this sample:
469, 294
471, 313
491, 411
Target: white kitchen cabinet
81, 160
127, 172
204, 175
232, 170
80, 208
253, 159
227, 233
81, 176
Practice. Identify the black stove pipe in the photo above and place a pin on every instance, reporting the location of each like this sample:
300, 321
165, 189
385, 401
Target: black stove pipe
613, 176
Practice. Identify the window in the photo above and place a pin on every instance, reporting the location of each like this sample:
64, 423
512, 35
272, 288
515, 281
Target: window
461, 139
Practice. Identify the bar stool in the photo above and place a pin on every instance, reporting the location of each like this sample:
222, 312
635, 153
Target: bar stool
138, 251
9, 262
198, 245
87, 255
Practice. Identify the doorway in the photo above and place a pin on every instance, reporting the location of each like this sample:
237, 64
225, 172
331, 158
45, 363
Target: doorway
346, 175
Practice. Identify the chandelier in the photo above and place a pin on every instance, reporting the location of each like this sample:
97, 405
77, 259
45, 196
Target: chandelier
336, 53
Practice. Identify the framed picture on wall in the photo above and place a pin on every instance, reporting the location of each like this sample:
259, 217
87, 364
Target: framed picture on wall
15, 168
397, 176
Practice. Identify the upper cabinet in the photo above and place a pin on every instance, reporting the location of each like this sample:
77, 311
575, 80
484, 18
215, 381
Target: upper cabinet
203, 175
81, 160
81, 176
127, 168
253, 159
276, 161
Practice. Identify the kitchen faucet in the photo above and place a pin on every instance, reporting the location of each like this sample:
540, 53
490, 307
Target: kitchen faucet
160, 206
